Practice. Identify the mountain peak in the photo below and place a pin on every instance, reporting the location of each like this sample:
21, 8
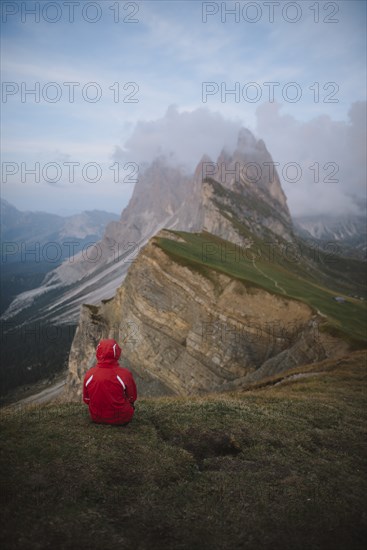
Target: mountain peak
199, 170
246, 139
205, 158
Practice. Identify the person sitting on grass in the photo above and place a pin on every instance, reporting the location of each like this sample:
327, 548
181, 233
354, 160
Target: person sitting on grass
108, 389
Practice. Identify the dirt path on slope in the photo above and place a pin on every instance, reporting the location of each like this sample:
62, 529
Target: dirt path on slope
267, 277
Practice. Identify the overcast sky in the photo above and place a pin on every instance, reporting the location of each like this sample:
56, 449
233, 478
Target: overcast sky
117, 83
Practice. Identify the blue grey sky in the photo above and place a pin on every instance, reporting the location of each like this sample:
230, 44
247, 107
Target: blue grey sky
117, 83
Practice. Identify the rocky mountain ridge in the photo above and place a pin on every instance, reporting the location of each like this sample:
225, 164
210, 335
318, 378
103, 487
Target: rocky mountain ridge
195, 332
166, 197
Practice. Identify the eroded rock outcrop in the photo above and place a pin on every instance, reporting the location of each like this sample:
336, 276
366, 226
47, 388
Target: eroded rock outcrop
190, 331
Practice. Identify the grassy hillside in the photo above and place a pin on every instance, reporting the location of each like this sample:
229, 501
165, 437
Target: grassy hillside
277, 467
277, 272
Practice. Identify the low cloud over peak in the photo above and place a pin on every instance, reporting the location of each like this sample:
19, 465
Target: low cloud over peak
321, 161
331, 155
181, 137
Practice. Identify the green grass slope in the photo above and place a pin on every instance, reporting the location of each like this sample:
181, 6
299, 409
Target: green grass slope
279, 466
269, 267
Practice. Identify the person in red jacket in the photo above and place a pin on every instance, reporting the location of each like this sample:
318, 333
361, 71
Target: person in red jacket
108, 389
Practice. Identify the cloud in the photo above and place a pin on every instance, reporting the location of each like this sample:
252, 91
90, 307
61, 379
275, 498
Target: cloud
322, 162
322, 148
325, 150
182, 137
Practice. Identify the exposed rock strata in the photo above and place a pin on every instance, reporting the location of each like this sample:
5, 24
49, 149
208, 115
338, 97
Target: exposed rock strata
193, 334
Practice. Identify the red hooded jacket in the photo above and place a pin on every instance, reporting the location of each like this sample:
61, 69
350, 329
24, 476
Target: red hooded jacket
108, 389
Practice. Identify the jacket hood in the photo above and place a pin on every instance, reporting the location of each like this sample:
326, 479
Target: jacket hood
108, 351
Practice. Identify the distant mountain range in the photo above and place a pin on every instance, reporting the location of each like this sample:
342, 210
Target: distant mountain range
348, 232
48, 234
34, 243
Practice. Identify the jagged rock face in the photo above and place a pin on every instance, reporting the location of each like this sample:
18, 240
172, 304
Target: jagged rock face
250, 178
216, 213
193, 333
157, 196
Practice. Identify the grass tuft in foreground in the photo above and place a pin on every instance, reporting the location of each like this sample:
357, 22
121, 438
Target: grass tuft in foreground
280, 466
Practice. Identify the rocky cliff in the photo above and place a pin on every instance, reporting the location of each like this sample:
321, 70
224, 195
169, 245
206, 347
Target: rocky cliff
196, 330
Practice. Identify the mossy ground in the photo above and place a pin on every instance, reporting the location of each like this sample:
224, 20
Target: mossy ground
279, 466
